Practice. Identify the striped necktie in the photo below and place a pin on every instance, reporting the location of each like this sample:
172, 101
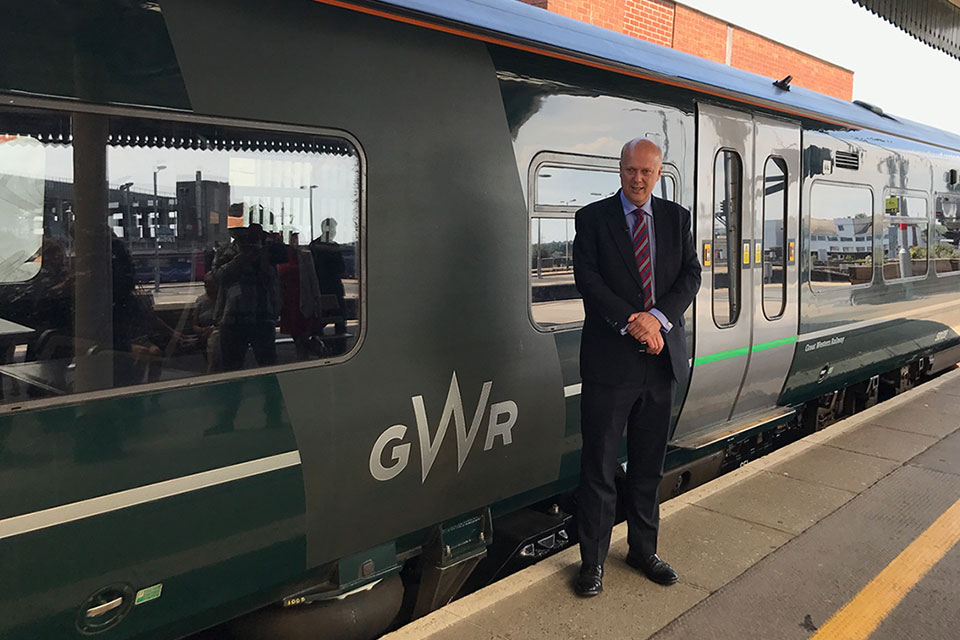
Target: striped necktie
641, 250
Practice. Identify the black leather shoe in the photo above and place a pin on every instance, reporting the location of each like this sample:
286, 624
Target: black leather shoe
654, 568
590, 581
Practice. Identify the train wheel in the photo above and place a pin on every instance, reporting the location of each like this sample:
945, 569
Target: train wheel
895, 382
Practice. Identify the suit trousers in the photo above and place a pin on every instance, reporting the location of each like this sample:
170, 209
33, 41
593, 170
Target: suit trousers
644, 409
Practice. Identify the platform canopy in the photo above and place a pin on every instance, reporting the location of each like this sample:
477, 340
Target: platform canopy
934, 22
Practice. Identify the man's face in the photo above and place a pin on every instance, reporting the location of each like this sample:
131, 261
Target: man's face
640, 169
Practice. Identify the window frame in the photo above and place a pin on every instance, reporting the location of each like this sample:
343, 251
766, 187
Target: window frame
806, 233
567, 212
936, 196
62, 106
781, 163
733, 258
911, 220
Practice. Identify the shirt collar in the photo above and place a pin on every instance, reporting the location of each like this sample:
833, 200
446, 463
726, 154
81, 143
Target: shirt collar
629, 207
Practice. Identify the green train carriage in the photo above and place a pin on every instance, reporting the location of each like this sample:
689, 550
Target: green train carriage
148, 493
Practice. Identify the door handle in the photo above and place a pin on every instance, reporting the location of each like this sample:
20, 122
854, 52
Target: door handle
105, 608
99, 610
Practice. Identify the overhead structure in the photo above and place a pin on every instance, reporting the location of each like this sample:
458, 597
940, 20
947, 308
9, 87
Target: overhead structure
934, 22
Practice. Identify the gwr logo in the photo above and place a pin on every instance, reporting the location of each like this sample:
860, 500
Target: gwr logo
503, 415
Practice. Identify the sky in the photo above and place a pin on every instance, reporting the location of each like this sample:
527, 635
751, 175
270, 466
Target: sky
892, 70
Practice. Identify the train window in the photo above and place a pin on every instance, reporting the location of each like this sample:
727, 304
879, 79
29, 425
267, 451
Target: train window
774, 230
139, 250
905, 238
553, 294
577, 186
561, 185
666, 187
21, 207
727, 215
833, 262
559, 190
945, 245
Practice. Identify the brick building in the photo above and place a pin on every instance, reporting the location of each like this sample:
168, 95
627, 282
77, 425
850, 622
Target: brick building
672, 24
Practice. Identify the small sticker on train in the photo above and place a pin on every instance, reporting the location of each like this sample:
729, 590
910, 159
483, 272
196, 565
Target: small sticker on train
148, 594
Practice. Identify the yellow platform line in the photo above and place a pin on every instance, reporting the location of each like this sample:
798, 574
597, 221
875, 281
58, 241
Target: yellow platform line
859, 617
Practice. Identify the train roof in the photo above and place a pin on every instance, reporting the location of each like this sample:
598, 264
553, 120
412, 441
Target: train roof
514, 23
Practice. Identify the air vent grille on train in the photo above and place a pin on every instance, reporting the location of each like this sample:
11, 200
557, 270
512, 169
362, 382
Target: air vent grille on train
847, 160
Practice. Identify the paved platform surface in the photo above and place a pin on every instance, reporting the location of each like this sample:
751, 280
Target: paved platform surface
848, 534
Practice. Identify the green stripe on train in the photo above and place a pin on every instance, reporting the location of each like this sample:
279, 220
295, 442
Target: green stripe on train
763, 346
733, 353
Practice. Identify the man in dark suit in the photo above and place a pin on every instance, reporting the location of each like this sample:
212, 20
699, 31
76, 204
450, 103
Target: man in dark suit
636, 267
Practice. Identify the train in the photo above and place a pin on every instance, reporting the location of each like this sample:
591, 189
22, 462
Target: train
388, 429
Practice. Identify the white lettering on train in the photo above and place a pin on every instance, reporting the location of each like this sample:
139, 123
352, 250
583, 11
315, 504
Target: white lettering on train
820, 344
503, 416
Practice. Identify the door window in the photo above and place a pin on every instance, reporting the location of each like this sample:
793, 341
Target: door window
774, 235
727, 215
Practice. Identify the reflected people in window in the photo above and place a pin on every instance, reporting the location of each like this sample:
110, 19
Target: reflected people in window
204, 325
248, 301
300, 292
331, 269
154, 275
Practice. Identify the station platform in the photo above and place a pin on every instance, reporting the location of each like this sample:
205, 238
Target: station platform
849, 533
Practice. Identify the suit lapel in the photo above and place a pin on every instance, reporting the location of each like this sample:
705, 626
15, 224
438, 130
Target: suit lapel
617, 224
661, 229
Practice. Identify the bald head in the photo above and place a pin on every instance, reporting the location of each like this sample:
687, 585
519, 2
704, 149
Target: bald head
641, 163
640, 144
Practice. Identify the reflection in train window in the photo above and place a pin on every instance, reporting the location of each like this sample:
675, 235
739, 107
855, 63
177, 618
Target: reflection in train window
774, 229
197, 248
727, 215
834, 262
554, 296
559, 189
905, 238
945, 245
570, 188
21, 207
575, 186
666, 187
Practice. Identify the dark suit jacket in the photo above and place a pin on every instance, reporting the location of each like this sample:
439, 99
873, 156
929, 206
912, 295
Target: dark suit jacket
608, 279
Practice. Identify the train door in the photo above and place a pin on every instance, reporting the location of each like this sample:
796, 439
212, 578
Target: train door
724, 231
775, 192
747, 225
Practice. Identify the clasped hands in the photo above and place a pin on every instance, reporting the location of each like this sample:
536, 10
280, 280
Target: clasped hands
644, 327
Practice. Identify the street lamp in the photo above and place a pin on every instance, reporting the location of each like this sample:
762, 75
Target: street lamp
566, 235
127, 218
310, 189
539, 248
156, 231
